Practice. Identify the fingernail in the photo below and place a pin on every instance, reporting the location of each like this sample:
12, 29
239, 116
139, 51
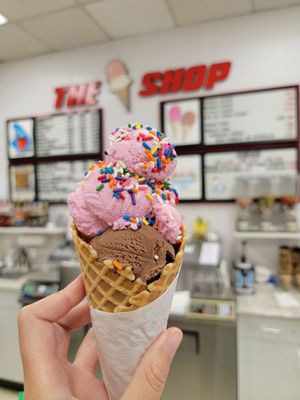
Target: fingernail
172, 341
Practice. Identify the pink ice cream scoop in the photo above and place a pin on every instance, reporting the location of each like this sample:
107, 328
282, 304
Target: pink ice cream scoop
168, 220
85, 220
114, 193
112, 196
116, 69
144, 149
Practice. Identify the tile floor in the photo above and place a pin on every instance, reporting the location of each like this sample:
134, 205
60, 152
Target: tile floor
8, 394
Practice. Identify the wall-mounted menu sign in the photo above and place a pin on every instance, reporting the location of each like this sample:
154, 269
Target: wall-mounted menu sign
49, 154
250, 173
266, 115
56, 180
68, 134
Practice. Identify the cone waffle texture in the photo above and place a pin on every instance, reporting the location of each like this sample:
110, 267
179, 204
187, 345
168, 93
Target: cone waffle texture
112, 290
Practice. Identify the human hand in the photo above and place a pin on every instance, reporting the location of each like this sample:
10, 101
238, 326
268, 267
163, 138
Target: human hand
44, 334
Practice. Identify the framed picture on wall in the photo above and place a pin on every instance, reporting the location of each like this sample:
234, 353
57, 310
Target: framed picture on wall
255, 173
22, 182
20, 138
181, 121
187, 177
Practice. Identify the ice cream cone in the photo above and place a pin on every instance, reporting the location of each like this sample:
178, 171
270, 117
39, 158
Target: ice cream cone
113, 290
124, 96
174, 118
186, 132
187, 121
119, 81
123, 336
122, 339
175, 127
126, 230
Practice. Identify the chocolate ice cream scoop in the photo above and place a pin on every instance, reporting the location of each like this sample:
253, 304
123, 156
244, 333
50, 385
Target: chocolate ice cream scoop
144, 250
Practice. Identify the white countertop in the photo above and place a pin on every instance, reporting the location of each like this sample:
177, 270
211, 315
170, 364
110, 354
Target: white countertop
263, 303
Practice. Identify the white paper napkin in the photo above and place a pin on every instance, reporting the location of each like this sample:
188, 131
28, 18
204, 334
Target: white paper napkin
122, 339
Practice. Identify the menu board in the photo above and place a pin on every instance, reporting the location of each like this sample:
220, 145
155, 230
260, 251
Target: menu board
68, 134
56, 180
268, 115
250, 173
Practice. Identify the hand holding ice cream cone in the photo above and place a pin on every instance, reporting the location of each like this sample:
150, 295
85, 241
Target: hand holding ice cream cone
44, 332
130, 240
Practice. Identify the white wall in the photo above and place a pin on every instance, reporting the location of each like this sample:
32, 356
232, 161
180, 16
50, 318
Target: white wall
263, 48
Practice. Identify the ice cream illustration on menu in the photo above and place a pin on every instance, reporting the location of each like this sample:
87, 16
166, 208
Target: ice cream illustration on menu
119, 81
188, 120
175, 120
181, 124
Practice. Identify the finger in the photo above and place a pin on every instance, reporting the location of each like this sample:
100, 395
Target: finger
87, 357
76, 318
56, 306
153, 369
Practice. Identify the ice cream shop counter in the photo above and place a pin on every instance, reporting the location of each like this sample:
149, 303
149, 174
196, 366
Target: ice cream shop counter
10, 292
206, 359
271, 302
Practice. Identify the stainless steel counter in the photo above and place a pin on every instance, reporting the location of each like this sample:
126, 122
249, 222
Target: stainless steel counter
205, 365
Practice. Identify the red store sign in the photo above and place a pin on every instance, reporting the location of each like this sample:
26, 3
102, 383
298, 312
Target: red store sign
186, 80
77, 95
153, 83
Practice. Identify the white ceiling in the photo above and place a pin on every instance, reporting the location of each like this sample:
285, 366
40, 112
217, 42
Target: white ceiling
42, 26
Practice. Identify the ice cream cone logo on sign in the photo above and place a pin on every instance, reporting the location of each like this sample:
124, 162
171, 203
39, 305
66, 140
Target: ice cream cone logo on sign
175, 119
188, 120
119, 81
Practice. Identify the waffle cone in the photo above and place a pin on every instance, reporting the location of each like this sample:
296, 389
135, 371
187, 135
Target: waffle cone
112, 290
123, 95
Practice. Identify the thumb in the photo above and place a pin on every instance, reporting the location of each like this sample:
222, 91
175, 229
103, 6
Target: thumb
152, 372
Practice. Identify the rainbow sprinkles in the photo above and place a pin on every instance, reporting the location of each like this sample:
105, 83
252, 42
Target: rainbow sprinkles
132, 187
